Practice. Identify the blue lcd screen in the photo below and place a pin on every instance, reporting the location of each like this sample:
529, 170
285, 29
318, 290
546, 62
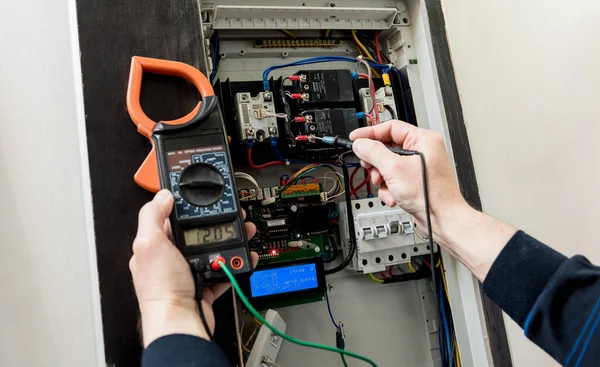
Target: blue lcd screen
283, 280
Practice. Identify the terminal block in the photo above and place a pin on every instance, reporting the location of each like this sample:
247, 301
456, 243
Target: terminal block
385, 236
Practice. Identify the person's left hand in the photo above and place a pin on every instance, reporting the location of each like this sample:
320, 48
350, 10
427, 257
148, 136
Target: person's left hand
163, 280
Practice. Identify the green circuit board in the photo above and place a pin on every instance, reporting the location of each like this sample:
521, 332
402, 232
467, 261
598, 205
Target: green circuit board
289, 231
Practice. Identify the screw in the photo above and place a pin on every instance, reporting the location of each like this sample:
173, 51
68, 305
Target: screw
272, 131
305, 96
312, 127
306, 87
267, 96
388, 90
308, 118
302, 77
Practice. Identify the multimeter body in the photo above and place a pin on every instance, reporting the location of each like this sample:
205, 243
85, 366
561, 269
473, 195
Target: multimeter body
190, 157
195, 165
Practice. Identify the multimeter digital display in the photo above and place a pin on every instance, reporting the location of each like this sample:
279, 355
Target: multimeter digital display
190, 157
208, 235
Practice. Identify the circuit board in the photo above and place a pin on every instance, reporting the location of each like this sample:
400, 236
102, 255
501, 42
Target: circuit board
290, 230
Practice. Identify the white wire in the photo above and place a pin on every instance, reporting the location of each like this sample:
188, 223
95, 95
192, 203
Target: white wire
279, 115
338, 187
371, 87
335, 184
246, 176
336, 195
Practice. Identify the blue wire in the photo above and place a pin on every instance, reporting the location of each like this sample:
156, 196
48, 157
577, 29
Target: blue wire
315, 60
215, 56
446, 329
329, 309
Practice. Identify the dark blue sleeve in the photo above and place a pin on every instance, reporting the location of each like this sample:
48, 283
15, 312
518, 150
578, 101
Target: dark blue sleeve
553, 298
180, 350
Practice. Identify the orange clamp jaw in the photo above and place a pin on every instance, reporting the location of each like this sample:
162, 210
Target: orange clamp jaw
147, 175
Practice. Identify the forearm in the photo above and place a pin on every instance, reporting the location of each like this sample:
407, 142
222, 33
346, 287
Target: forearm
163, 318
474, 238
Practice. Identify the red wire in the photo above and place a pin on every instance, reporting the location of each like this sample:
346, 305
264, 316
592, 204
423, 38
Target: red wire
369, 189
374, 98
268, 164
355, 190
352, 181
391, 271
426, 263
382, 275
370, 118
377, 47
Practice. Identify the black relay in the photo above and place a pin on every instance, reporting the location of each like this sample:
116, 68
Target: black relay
330, 86
326, 122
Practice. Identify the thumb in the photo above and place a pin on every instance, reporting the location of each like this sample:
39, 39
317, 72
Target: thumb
375, 153
153, 215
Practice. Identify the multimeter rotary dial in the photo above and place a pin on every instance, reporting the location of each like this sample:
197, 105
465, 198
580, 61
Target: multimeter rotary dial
201, 184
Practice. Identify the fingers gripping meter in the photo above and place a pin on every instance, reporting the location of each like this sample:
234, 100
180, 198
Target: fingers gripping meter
190, 157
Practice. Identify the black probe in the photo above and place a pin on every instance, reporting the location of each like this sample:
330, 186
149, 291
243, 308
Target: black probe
336, 141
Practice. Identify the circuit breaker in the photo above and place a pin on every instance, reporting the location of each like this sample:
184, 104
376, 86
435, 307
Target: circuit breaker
385, 236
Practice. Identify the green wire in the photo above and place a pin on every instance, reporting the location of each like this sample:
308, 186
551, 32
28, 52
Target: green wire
303, 343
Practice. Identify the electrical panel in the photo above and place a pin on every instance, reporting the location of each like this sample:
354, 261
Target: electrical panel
256, 116
386, 103
385, 236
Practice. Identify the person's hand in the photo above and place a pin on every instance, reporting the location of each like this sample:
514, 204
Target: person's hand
399, 177
163, 280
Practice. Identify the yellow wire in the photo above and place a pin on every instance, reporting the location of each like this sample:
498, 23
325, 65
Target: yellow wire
246, 197
246, 349
288, 33
307, 167
410, 266
327, 33
256, 321
445, 283
458, 364
375, 279
361, 46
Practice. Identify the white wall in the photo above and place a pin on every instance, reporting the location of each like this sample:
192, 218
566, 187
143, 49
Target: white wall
49, 313
528, 76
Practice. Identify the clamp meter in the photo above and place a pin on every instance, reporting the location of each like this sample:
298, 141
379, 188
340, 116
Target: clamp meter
190, 157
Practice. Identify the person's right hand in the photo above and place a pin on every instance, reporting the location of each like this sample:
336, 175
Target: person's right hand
399, 177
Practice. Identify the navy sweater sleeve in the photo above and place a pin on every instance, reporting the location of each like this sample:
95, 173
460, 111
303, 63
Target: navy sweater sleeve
556, 300
180, 350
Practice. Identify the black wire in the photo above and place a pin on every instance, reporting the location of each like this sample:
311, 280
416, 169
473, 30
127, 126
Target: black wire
199, 284
407, 277
349, 217
287, 110
391, 110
